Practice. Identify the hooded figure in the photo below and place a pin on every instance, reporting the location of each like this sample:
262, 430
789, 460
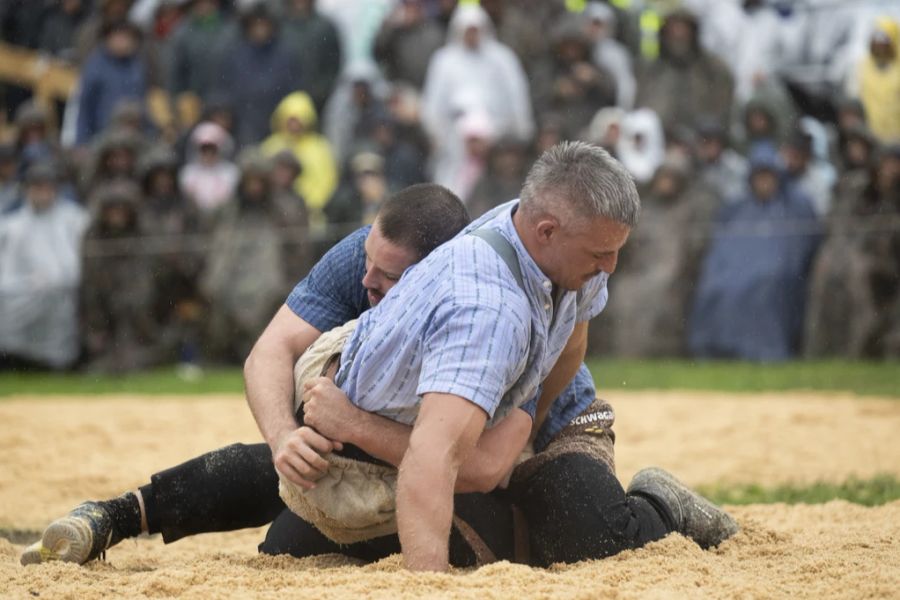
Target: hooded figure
814, 176
764, 123
209, 178
685, 83
567, 81
351, 111
507, 167
244, 279
641, 145
879, 80
363, 190
34, 135
752, 293
170, 222
856, 148
655, 280
40, 271
856, 276
478, 134
609, 53
722, 169
114, 156
406, 42
118, 286
475, 66
294, 129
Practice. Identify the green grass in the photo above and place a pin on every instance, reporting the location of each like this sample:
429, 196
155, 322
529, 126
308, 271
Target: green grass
868, 378
869, 492
162, 381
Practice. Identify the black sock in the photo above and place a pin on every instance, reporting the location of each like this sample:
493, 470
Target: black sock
150, 509
126, 515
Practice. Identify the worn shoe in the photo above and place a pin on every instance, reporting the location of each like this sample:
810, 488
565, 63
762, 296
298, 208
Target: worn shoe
82, 535
695, 516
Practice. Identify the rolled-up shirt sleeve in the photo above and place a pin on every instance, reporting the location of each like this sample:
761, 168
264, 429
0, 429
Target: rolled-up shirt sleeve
332, 293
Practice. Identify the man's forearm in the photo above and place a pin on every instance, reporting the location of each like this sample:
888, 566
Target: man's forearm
269, 385
379, 436
425, 508
495, 454
484, 468
446, 431
269, 373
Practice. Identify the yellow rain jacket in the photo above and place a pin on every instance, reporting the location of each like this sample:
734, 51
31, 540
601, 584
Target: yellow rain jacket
879, 87
319, 177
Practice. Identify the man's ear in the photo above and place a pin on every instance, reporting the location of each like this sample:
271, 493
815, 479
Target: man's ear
546, 228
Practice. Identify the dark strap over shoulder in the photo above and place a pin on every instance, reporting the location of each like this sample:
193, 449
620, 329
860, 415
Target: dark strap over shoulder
504, 249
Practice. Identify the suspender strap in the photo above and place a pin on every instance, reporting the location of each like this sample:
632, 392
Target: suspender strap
504, 249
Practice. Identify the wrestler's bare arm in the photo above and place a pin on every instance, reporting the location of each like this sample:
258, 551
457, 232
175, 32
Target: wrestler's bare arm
562, 372
328, 410
269, 384
444, 435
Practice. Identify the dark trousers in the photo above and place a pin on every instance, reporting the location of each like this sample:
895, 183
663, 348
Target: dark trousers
574, 506
234, 487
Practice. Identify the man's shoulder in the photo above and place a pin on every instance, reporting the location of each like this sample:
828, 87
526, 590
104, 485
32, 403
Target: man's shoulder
350, 247
475, 274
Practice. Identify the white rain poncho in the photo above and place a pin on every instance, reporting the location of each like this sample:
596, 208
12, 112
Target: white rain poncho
40, 271
488, 79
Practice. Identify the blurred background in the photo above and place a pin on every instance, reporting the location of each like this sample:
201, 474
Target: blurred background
169, 169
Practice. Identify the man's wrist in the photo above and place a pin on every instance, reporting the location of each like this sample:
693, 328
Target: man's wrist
357, 427
274, 440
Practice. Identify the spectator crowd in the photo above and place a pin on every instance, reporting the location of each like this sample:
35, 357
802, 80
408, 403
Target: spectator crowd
212, 149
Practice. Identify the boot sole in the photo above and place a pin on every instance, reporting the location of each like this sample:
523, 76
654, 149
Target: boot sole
67, 539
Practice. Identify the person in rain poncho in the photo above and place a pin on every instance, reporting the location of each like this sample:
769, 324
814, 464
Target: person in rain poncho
856, 275
40, 246
209, 178
655, 281
356, 103
685, 83
641, 144
472, 72
878, 80
244, 280
293, 128
751, 297
117, 289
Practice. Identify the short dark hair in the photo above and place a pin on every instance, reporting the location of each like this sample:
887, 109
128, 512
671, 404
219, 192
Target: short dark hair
421, 217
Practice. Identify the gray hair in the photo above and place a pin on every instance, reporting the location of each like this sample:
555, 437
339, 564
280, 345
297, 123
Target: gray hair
584, 181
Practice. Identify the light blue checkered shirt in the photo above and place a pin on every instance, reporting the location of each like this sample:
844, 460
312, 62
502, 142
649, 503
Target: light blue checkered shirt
458, 323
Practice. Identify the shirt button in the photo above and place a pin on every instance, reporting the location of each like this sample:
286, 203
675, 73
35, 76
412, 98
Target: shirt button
547, 285
547, 306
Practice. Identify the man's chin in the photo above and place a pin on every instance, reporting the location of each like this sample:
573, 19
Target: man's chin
374, 299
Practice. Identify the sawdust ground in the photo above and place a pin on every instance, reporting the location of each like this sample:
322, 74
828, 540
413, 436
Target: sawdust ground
55, 452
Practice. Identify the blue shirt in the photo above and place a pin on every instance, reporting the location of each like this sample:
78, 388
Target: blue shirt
332, 293
474, 334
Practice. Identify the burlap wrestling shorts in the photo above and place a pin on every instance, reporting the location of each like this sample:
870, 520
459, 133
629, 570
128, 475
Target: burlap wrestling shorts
590, 434
354, 500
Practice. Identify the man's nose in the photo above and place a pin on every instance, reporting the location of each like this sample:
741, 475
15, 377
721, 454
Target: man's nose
608, 264
370, 280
